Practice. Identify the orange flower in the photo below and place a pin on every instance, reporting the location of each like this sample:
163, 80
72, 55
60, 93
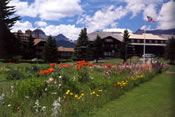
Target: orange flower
51, 69
46, 71
89, 64
52, 65
61, 66
17, 108
41, 73
67, 65
77, 67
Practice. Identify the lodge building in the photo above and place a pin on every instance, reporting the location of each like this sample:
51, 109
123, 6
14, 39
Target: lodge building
112, 40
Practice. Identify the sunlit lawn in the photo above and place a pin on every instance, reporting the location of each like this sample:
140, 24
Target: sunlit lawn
152, 99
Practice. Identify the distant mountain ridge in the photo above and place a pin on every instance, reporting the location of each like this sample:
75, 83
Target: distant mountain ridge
157, 31
61, 40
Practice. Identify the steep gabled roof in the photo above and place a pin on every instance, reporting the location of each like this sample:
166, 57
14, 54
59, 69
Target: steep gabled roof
92, 36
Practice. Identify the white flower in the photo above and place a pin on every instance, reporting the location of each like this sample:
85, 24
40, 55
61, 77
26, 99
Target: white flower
2, 97
37, 106
56, 107
60, 77
43, 108
9, 105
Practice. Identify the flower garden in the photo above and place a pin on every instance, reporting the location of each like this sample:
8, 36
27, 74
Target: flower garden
63, 90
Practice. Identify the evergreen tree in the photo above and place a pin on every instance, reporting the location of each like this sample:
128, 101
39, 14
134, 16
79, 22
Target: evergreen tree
97, 48
124, 46
50, 52
30, 48
81, 48
7, 39
170, 50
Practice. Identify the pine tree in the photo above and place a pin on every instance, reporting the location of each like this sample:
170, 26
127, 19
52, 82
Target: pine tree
124, 46
81, 47
30, 48
170, 50
7, 39
50, 53
97, 48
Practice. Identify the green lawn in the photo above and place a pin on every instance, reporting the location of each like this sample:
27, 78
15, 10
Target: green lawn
155, 98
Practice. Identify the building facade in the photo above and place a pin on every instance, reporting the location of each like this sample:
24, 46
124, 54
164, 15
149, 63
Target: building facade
154, 44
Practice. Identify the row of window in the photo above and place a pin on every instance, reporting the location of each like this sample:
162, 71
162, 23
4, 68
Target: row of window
148, 41
110, 45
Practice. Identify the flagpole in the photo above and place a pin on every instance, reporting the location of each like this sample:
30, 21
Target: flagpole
144, 43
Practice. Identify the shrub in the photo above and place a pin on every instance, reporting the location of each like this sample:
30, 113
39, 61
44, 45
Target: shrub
14, 75
83, 75
31, 87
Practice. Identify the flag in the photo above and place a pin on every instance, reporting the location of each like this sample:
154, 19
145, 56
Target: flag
150, 19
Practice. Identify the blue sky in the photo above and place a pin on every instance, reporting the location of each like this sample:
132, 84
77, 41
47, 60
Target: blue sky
68, 17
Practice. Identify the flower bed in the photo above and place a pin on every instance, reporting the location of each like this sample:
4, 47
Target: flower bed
68, 89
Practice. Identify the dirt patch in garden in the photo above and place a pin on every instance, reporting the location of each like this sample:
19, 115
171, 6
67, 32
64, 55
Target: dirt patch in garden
169, 72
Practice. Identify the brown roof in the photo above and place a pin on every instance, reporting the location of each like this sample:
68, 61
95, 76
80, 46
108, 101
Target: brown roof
119, 36
62, 49
147, 36
36, 41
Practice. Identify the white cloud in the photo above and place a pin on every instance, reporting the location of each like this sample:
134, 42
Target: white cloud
166, 18
116, 30
150, 10
41, 23
48, 9
23, 26
136, 6
69, 31
103, 18
146, 27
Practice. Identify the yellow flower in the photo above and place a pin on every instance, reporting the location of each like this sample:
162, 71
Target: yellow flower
64, 97
82, 94
71, 93
76, 96
97, 95
100, 90
79, 98
67, 92
92, 92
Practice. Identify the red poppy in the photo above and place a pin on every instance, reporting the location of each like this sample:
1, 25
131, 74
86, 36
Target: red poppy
67, 65
17, 108
61, 66
51, 69
41, 73
108, 65
52, 65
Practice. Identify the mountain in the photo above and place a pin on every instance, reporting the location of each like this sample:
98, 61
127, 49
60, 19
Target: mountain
38, 33
61, 37
157, 31
64, 43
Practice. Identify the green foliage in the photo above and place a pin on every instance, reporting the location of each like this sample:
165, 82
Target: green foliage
7, 48
50, 52
97, 48
14, 75
31, 87
81, 47
124, 46
170, 50
83, 75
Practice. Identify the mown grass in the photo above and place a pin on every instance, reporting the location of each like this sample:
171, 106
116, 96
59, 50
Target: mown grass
152, 99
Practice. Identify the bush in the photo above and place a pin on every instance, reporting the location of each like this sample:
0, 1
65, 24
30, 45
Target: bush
31, 87
83, 75
14, 75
